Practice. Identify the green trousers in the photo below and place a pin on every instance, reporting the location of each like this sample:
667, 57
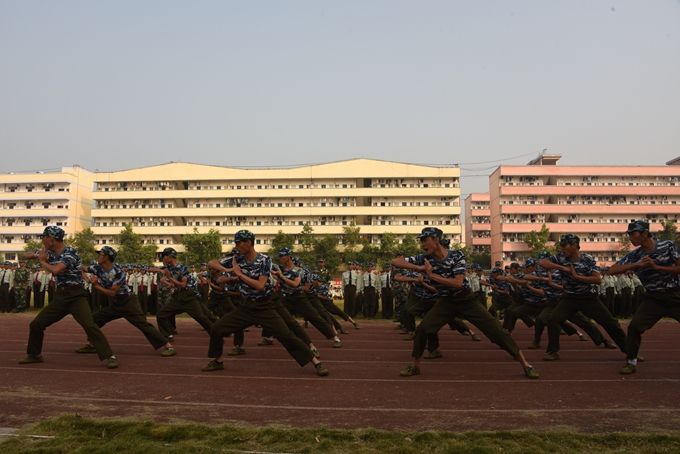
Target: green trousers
465, 307
129, 309
653, 307
260, 313
183, 301
67, 300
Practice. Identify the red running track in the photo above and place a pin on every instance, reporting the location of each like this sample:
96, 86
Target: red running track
475, 386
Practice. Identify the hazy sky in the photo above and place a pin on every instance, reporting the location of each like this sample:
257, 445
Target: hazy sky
118, 84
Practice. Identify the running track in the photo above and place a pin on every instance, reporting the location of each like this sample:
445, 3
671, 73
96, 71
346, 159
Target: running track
476, 386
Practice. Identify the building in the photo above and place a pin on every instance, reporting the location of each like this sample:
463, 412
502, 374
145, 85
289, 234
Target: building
594, 202
477, 223
32, 200
166, 201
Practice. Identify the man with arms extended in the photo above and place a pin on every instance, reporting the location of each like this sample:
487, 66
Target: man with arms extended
657, 264
70, 297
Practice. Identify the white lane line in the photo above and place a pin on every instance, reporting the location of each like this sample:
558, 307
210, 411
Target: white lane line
36, 368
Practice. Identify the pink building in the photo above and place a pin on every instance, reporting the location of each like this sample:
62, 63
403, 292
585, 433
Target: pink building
594, 202
477, 223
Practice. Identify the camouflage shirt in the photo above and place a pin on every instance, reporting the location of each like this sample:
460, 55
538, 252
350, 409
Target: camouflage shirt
72, 274
585, 265
22, 278
179, 272
114, 276
401, 289
305, 276
527, 296
551, 294
261, 266
291, 274
665, 254
449, 267
323, 290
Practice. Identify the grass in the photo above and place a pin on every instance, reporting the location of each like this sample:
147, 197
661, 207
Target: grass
74, 434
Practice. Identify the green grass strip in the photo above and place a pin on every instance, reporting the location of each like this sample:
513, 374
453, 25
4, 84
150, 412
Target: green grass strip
74, 434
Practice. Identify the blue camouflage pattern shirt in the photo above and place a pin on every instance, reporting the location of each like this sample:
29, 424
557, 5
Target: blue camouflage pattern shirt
72, 275
305, 276
585, 266
665, 254
527, 295
322, 290
551, 294
501, 285
114, 276
449, 267
291, 274
179, 272
261, 266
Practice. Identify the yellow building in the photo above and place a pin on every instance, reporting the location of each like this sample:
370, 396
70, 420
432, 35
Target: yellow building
30, 201
166, 201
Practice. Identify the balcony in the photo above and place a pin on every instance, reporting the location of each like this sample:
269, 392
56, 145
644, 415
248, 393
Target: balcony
36, 212
37, 196
638, 210
21, 229
590, 190
277, 211
276, 193
562, 228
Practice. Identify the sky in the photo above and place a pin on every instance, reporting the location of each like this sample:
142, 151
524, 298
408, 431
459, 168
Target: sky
112, 85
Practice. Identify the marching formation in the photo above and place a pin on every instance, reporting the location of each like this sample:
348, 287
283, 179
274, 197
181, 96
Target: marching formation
565, 292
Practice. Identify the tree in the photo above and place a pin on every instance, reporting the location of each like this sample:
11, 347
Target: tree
669, 232
409, 246
624, 243
388, 246
368, 253
83, 242
537, 241
326, 248
281, 240
306, 238
351, 236
202, 247
482, 259
131, 248
32, 246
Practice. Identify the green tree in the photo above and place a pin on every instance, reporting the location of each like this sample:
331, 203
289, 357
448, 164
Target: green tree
33, 245
281, 240
624, 244
131, 248
538, 241
409, 246
326, 248
351, 236
483, 259
369, 253
388, 247
669, 232
202, 247
306, 238
84, 242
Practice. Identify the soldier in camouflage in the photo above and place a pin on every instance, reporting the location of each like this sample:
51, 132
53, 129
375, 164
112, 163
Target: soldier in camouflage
70, 298
253, 270
22, 281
